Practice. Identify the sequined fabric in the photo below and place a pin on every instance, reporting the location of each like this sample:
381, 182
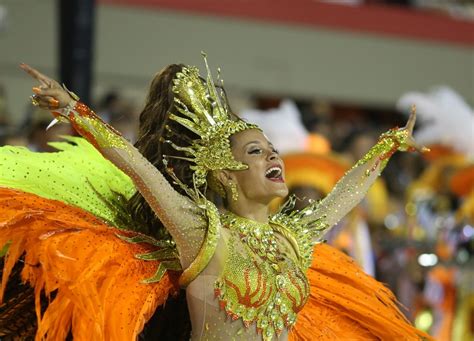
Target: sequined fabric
263, 282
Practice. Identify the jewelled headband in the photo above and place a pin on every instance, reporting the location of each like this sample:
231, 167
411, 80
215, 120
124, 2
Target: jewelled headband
202, 108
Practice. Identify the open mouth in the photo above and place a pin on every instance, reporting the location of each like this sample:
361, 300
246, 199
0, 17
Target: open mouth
275, 174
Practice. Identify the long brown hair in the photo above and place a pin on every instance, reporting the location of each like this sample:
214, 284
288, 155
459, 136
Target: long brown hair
155, 127
171, 321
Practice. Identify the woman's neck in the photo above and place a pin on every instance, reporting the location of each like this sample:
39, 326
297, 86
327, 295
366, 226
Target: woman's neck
250, 210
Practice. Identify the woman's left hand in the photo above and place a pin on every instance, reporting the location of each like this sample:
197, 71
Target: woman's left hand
405, 135
49, 95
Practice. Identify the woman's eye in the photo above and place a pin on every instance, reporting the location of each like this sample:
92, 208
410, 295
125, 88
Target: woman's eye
255, 151
275, 151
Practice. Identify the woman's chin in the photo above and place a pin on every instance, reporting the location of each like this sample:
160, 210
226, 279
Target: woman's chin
281, 192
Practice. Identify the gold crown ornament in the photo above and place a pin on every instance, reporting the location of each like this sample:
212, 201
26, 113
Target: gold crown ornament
202, 108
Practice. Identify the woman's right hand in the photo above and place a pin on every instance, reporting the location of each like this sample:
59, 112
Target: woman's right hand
49, 94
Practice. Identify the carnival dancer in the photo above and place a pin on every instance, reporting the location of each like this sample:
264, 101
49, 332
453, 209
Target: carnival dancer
248, 275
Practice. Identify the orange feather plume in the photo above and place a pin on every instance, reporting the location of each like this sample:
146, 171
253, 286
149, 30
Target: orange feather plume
91, 276
347, 304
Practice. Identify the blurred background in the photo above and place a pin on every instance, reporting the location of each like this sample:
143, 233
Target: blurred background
324, 79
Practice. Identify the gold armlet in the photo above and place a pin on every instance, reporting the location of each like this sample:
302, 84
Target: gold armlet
208, 247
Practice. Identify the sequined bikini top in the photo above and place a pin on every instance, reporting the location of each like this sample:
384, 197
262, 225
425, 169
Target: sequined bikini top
263, 282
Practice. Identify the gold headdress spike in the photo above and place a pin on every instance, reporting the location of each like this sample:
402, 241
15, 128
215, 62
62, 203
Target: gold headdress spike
203, 109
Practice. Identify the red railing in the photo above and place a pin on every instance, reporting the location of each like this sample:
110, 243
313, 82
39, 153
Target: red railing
373, 19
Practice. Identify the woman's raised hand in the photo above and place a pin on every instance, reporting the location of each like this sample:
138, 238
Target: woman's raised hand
49, 94
407, 142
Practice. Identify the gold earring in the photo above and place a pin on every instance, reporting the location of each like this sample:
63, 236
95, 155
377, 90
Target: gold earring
233, 191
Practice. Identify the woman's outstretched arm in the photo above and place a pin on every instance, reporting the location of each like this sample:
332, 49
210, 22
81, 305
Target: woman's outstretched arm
352, 188
182, 218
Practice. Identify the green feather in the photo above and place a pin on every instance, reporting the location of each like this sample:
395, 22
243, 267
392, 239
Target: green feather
77, 174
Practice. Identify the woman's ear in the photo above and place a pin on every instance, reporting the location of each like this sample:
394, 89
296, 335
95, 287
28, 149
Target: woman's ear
223, 176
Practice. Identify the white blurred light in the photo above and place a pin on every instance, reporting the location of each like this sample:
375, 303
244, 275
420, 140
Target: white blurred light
391, 221
468, 231
450, 222
439, 221
424, 320
427, 259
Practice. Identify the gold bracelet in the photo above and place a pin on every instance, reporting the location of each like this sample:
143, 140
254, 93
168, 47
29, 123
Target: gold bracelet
72, 94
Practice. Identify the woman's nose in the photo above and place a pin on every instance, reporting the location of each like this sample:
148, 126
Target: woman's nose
272, 156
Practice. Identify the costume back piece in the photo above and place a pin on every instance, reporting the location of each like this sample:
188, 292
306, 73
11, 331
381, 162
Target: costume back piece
63, 220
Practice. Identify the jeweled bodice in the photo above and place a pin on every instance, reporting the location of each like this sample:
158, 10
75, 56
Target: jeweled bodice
263, 282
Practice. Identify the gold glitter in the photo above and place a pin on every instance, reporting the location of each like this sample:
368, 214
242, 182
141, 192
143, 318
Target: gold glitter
204, 111
105, 137
259, 284
318, 217
389, 142
208, 247
300, 231
96, 131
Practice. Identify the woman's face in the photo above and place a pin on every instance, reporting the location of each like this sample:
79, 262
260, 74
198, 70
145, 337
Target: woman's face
264, 179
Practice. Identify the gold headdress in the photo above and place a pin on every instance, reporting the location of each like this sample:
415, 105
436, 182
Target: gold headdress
203, 109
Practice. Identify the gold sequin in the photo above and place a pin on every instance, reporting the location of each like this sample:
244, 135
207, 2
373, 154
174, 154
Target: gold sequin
260, 284
204, 111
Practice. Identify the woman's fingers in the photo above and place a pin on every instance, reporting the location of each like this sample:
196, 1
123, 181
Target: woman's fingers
49, 94
44, 80
411, 120
53, 92
47, 103
41, 102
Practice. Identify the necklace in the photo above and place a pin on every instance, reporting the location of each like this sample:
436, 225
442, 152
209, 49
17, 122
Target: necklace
259, 237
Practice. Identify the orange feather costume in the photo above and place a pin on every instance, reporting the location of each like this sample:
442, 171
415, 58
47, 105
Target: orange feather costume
95, 275
100, 295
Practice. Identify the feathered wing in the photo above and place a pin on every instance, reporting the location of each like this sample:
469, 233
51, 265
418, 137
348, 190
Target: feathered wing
54, 209
93, 278
77, 175
347, 304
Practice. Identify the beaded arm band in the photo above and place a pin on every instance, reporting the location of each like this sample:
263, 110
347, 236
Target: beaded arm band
314, 221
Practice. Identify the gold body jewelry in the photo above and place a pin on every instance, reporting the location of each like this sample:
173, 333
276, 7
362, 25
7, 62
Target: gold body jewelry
260, 283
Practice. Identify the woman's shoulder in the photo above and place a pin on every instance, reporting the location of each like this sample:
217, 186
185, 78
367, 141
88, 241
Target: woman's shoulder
297, 232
